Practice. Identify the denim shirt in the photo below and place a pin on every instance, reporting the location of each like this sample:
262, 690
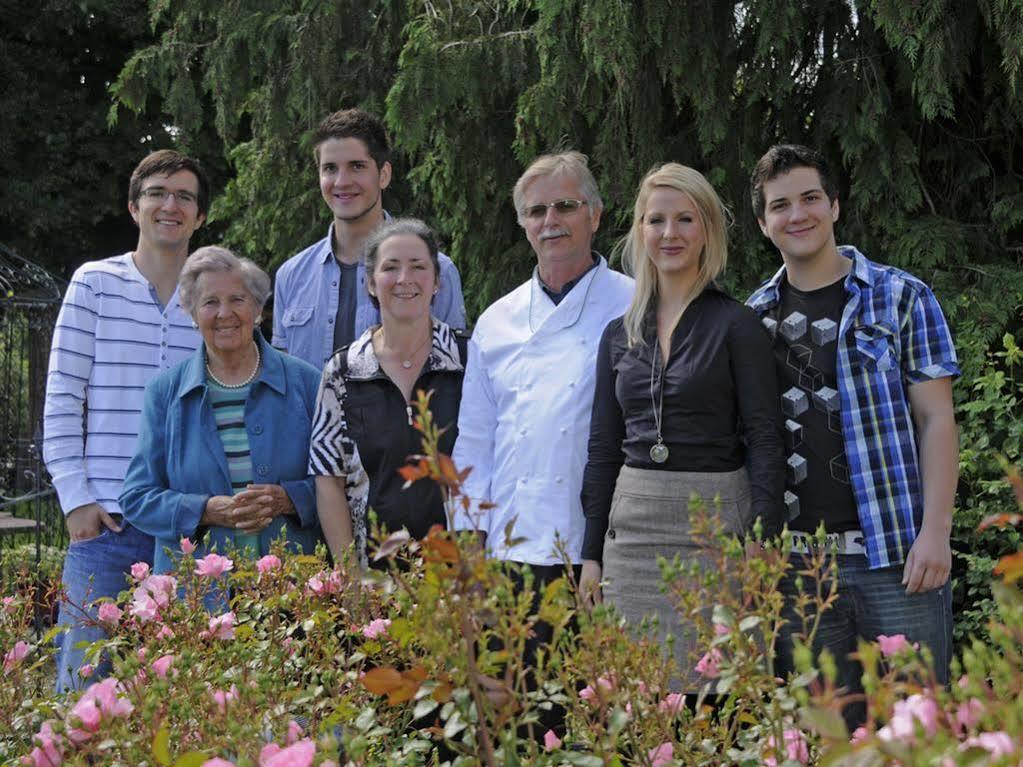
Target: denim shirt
892, 335
306, 299
179, 462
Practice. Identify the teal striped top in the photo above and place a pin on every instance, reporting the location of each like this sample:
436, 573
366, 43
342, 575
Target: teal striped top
229, 413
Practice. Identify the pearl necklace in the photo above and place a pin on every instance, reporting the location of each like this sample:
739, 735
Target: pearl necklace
243, 384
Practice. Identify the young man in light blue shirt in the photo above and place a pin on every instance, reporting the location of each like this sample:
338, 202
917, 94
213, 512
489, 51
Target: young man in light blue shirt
320, 298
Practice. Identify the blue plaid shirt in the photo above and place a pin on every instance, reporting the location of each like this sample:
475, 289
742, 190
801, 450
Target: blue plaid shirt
892, 335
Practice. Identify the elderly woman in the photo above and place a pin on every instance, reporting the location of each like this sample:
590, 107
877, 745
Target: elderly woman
685, 403
223, 445
363, 430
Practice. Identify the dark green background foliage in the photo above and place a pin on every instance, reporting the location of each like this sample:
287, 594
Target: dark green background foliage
918, 104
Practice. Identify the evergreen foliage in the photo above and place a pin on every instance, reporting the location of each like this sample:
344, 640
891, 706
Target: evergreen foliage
65, 172
918, 103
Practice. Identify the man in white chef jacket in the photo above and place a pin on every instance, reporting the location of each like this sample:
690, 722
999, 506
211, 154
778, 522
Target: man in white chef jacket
525, 415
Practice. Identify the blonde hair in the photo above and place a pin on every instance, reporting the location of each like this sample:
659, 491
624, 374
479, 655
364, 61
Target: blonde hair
636, 261
572, 163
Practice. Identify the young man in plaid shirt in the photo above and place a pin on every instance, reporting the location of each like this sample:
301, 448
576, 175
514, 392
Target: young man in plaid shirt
865, 362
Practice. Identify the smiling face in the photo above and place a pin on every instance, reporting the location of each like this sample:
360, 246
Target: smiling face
167, 224
560, 240
403, 278
673, 234
798, 216
225, 312
350, 181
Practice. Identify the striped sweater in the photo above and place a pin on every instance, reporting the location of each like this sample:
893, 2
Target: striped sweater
110, 340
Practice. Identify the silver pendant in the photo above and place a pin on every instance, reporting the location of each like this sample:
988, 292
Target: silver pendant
407, 364
659, 453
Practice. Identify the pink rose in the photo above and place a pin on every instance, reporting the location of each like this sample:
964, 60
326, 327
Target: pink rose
16, 654
672, 703
324, 583
8, 604
139, 571
892, 645
998, 744
213, 566
144, 607
109, 613
85, 671
165, 632
968, 715
294, 732
101, 701
268, 563
661, 755
709, 665
217, 762
551, 741
795, 748
162, 665
49, 750
906, 714
859, 735
224, 697
376, 628
222, 626
298, 755
187, 547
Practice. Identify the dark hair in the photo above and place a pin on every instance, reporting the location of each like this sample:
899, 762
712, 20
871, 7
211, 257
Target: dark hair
165, 162
355, 123
393, 228
779, 160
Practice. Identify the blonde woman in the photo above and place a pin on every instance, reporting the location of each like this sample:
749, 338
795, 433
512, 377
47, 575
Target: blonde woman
685, 403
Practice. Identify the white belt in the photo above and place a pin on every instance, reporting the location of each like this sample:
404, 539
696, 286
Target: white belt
849, 542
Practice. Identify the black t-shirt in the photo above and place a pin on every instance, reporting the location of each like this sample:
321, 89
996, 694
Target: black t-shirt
805, 351
348, 292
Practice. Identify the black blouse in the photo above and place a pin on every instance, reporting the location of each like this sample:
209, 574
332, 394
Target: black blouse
720, 408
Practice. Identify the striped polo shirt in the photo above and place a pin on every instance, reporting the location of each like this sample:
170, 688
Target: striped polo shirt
111, 338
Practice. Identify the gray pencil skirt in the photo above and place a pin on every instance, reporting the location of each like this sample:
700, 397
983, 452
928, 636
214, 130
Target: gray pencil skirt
650, 518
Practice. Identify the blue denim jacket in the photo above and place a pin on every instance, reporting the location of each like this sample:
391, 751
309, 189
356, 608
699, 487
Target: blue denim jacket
306, 298
179, 461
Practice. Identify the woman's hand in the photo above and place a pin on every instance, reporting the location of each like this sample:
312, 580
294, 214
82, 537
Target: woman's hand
219, 511
272, 499
589, 584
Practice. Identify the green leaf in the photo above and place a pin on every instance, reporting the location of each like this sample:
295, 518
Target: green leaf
825, 722
192, 759
161, 743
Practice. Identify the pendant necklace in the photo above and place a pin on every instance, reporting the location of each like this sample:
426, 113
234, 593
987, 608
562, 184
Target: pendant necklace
659, 451
407, 363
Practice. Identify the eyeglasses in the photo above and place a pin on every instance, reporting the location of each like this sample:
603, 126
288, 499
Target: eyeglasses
160, 195
562, 207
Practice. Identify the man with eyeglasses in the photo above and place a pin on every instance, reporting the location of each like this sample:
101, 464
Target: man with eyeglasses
525, 416
119, 326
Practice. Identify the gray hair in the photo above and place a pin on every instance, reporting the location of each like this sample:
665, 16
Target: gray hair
393, 228
213, 258
571, 162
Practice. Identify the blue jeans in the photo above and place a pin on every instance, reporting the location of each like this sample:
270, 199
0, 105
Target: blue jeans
98, 567
870, 602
